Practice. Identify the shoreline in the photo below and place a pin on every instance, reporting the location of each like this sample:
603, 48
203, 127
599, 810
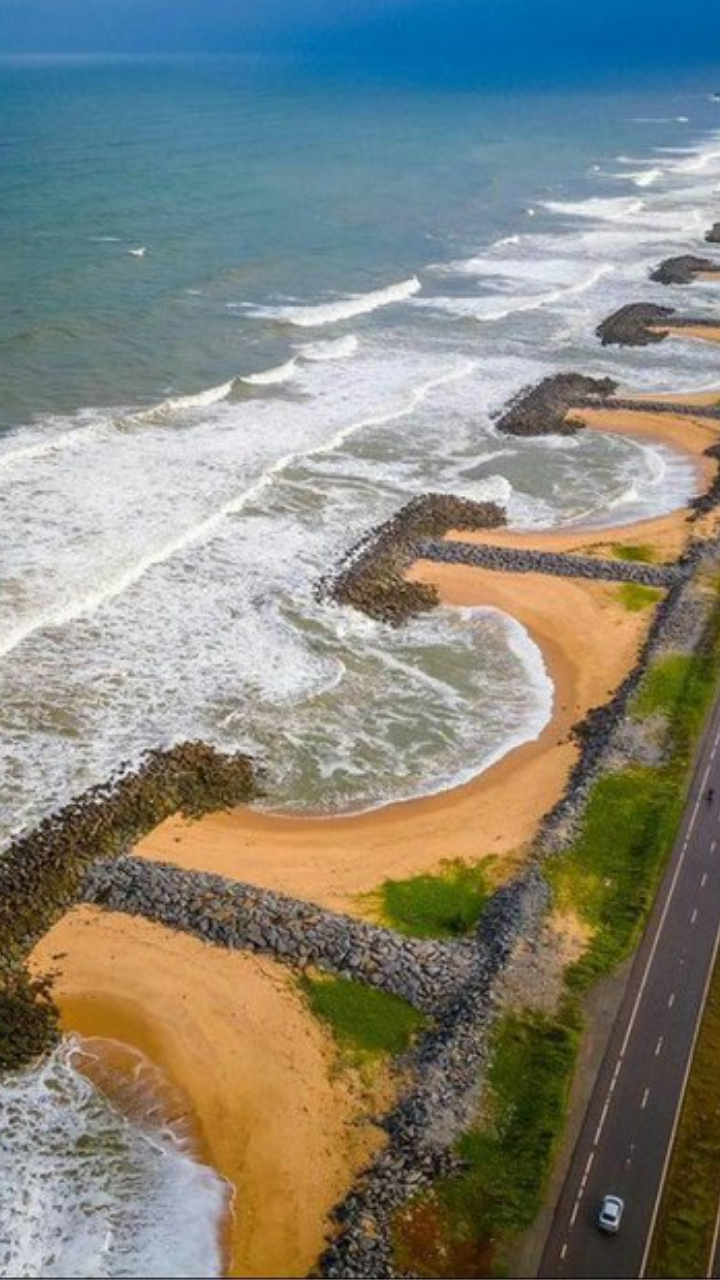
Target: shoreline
233, 1036
277, 1121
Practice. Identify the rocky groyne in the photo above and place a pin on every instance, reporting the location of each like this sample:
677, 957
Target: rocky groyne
713, 235
448, 1067
243, 917
370, 577
41, 873
684, 269
543, 409
520, 560
641, 323
680, 622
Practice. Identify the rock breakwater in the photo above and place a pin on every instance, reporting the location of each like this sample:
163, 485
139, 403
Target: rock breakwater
684, 269
542, 409
641, 323
370, 576
448, 1067
228, 913
41, 873
713, 235
519, 560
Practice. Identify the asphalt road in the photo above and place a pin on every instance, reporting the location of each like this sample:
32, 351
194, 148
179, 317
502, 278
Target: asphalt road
625, 1142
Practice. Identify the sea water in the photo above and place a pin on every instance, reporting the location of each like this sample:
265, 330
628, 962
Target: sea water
247, 314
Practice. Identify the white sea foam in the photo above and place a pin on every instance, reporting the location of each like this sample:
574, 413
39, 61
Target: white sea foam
659, 119
194, 400
88, 1193
331, 349
271, 377
613, 210
310, 317
498, 307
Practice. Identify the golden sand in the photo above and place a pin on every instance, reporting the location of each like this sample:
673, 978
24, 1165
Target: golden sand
274, 1116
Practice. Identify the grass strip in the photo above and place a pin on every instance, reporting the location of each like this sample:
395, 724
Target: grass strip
445, 905
364, 1021
635, 597
641, 552
685, 1227
460, 1228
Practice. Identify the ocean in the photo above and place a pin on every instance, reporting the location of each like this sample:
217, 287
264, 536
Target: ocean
248, 313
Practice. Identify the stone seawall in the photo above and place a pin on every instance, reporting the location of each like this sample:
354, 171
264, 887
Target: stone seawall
519, 560
638, 324
448, 1068
542, 409
41, 873
679, 625
244, 917
684, 269
370, 576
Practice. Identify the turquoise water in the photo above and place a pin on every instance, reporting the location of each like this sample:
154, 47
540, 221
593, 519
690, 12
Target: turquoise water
247, 315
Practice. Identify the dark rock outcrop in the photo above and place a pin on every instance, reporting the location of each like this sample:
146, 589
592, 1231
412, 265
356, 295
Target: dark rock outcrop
542, 409
370, 577
641, 323
632, 325
713, 235
683, 270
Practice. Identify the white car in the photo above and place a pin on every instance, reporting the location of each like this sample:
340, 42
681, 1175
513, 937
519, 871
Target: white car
610, 1216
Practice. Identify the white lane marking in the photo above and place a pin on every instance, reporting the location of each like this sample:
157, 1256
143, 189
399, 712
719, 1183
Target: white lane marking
713, 845
661, 924
588, 1166
574, 1213
646, 1095
678, 1107
563, 1251
693, 917
703, 880
671, 1000
659, 1045
706, 775
599, 1129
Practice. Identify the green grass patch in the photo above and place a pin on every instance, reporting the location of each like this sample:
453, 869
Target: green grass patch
363, 1020
680, 687
462, 1227
608, 876
684, 1232
638, 552
635, 597
445, 905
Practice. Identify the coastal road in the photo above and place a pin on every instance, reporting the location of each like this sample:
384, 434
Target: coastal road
625, 1142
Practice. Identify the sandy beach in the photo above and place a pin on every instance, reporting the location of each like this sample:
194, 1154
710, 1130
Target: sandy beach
335, 861
273, 1114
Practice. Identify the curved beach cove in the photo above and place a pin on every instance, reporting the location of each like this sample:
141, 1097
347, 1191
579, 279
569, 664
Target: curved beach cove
170, 531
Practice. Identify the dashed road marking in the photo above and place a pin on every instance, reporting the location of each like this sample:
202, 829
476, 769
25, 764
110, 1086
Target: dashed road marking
563, 1251
703, 880
574, 1214
671, 1000
659, 1045
646, 1095
693, 917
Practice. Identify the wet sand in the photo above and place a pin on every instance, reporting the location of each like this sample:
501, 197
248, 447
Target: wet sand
273, 1114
